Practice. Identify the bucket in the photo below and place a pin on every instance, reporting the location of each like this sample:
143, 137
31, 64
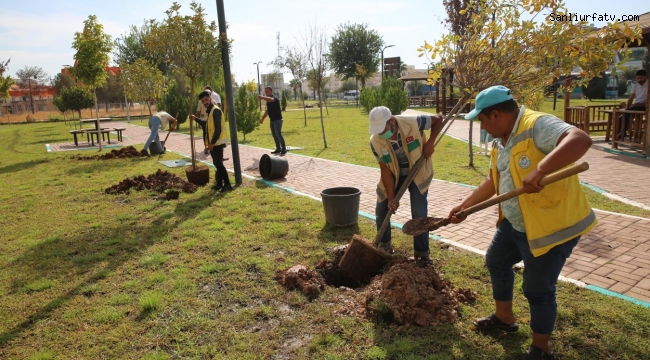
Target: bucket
153, 149
273, 167
341, 205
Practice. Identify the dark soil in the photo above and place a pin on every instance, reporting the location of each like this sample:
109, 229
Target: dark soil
406, 293
123, 153
160, 181
422, 225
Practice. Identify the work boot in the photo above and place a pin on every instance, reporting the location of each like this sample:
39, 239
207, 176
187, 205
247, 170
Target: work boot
276, 151
283, 152
145, 153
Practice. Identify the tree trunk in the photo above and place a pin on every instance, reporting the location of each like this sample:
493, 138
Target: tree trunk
149, 106
322, 124
471, 145
192, 127
304, 110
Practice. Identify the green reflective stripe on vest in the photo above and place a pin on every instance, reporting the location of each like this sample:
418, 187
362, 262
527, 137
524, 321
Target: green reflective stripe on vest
525, 135
386, 159
413, 145
568, 233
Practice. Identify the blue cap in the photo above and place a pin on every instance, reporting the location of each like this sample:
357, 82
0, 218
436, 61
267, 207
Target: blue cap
488, 97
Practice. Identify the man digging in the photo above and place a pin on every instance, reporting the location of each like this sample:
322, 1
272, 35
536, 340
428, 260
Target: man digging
540, 227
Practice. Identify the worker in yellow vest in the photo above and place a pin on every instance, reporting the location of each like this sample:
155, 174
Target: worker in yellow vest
216, 138
540, 227
397, 143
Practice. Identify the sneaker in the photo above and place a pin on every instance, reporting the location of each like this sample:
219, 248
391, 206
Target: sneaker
145, 153
275, 152
535, 353
226, 188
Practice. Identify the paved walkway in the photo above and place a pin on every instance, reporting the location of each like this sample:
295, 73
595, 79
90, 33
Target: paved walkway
614, 256
621, 175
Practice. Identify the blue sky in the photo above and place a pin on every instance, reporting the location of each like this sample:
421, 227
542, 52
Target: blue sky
40, 33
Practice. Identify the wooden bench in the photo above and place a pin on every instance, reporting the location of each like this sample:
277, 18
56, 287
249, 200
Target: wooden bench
119, 133
75, 133
591, 118
92, 133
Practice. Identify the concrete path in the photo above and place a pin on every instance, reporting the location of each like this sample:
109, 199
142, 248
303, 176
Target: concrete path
614, 257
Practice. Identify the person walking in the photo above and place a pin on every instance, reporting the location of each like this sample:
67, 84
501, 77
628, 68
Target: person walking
159, 120
397, 143
274, 112
541, 226
216, 138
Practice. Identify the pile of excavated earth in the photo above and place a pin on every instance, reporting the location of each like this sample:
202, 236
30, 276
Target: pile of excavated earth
160, 181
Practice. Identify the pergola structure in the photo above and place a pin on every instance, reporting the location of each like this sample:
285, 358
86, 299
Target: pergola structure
443, 104
594, 117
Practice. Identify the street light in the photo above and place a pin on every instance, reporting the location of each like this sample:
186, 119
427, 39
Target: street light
382, 60
259, 90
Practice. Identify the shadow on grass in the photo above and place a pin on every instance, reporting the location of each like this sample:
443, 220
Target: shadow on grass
22, 166
69, 257
340, 235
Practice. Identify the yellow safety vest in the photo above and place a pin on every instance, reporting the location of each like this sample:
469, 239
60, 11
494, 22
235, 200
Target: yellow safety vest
223, 137
412, 143
559, 212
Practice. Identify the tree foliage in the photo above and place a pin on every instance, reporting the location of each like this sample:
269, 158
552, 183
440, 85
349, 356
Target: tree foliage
352, 45
76, 99
390, 94
178, 98
316, 49
596, 87
283, 100
247, 111
295, 60
93, 47
458, 22
346, 85
112, 91
143, 81
132, 46
527, 54
31, 77
59, 104
188, 45
62, 80
5, 81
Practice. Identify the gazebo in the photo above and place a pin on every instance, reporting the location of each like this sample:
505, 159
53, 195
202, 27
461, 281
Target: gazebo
603, 117
445, 81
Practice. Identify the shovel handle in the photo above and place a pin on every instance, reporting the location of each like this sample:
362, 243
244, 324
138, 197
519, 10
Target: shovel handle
548, 179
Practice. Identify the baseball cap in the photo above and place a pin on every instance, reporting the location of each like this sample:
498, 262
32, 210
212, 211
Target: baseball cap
378, 117
488, 97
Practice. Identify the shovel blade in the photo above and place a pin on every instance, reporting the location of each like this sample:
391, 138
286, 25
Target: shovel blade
422, 225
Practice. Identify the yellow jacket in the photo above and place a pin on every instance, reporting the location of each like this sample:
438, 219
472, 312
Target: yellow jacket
413, 145
559, 212
211, 128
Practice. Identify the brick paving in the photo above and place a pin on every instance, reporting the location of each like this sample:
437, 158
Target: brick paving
621, 175
614, 256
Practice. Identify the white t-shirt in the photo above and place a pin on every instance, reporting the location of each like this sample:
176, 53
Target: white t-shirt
164, 117
640, 92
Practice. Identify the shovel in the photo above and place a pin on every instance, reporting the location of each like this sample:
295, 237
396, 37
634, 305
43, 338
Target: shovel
422, 225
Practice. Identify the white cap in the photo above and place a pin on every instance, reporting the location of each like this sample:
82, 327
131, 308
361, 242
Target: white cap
378, 118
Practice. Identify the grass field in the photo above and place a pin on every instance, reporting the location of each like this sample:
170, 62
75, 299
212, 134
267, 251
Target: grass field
87, 275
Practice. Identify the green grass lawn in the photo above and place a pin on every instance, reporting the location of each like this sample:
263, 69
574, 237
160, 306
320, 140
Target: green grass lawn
346, 130
89, 275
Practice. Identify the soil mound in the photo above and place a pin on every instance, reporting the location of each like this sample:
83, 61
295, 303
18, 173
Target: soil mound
123, 153
300, 277
410, 294
160, 181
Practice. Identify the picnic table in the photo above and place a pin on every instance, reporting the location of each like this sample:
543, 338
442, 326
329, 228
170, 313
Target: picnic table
92, 132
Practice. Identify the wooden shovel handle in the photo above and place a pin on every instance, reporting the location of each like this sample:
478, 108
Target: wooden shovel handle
548, 179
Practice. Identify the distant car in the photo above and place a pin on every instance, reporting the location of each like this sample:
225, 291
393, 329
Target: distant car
351, 95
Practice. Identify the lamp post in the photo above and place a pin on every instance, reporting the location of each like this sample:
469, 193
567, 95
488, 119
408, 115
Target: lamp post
259, 90
382, 60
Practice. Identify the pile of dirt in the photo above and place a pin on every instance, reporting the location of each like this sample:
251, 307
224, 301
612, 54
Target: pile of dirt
160, 181
300, 277
410, 294
123, 153
406, 293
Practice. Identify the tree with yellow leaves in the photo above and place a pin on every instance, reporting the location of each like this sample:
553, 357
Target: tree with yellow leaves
523, 55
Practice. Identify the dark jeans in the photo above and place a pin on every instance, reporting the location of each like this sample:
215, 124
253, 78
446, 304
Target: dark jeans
418, 209
276, 131
509, 247
221, 176
622, 130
